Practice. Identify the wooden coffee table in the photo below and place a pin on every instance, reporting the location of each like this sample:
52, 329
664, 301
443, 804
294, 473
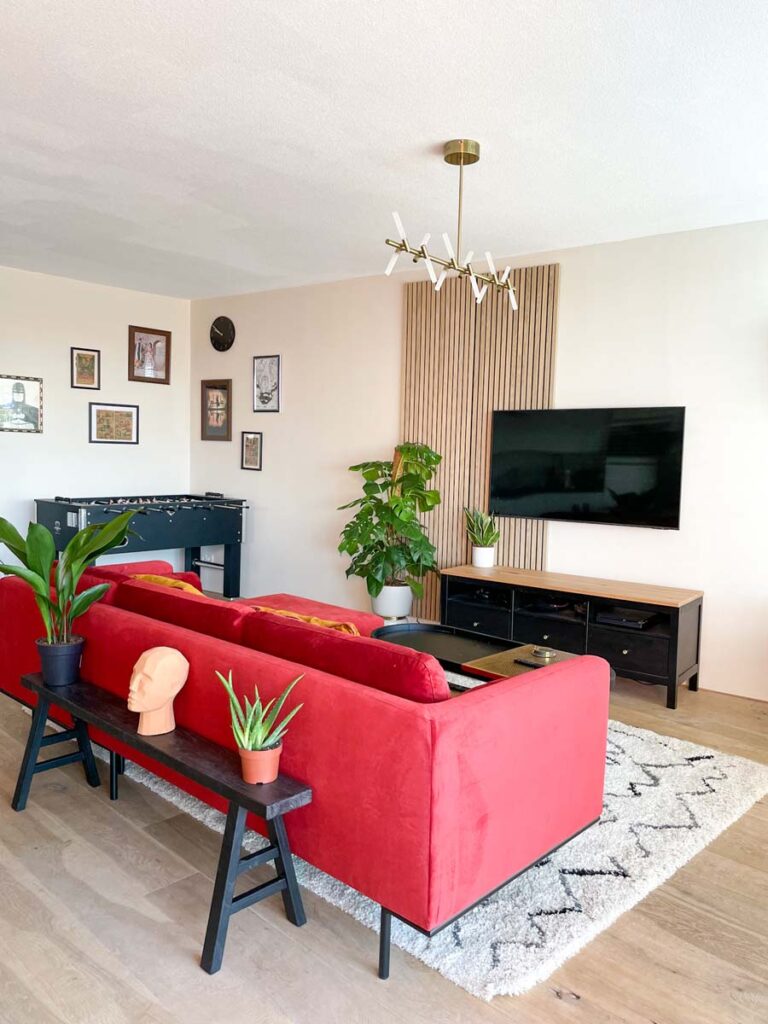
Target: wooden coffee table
517, 661
513, 662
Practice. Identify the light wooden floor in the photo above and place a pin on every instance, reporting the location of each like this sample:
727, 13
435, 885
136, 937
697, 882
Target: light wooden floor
103, 907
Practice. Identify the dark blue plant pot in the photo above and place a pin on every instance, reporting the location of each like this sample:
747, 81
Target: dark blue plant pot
60, 663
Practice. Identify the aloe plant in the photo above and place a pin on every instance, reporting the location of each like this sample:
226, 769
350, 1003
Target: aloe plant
481, 528
255, 727
37, 553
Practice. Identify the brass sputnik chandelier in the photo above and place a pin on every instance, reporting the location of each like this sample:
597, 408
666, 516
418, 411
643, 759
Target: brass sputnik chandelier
460, 153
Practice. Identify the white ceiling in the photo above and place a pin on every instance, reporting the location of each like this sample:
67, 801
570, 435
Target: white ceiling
196, 147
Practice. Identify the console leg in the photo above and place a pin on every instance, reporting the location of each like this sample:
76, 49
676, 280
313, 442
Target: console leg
27, 770
672, 695
693, 682
385, 941
294, 907
223, 890
84, 746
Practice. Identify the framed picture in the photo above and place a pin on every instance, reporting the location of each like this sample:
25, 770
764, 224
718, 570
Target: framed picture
85, 368
266, 383
216, 410
149, 355
21, 404
250, 450
113, 424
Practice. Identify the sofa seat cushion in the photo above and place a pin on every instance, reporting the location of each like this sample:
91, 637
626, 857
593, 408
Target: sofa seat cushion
366, 622
375, 663
219, 619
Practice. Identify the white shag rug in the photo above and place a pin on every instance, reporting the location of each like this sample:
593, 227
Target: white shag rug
665, 800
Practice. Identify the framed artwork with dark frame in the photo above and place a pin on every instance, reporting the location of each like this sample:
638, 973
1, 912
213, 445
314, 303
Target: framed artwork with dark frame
266, 383
149, 355
109, 423
85, 368
250, 449
216, 410
21, 404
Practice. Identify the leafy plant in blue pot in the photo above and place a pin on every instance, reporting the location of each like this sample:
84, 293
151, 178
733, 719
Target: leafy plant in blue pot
55, 590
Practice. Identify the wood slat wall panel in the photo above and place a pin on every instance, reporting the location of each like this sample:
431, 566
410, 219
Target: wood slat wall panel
460, 362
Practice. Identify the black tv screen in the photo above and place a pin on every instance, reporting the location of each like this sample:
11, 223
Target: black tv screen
620, 466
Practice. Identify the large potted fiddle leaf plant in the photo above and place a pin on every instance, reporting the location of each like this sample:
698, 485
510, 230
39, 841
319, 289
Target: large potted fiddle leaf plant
55, 589
386, 540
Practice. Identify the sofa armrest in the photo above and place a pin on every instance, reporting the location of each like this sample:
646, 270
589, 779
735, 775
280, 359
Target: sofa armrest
519, 767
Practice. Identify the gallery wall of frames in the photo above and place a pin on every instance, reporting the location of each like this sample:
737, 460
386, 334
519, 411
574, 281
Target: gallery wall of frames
94, 391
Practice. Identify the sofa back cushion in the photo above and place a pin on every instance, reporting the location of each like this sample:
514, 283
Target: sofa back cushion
191, 611
174, 582
124, 570
365, 622
374, 663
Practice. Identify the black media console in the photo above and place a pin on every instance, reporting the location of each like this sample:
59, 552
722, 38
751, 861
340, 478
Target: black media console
645, 632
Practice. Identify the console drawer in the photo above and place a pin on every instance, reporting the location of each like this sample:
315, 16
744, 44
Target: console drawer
563, 636
489, 621
634, 652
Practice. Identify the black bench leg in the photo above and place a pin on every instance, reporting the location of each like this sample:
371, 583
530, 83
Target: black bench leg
294, 907
120, 764
385, 941
223, 890
84, 746
114, 772
27, 770
693, 682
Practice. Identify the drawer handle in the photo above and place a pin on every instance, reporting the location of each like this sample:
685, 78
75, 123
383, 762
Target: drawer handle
475, 625
545, 637
625, 651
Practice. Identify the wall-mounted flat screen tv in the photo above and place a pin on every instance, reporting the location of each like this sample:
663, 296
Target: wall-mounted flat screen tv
620, 466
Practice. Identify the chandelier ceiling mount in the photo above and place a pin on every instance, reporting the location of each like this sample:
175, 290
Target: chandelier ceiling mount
460, 153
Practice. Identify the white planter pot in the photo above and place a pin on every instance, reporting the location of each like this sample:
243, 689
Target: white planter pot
483, 558
393, 602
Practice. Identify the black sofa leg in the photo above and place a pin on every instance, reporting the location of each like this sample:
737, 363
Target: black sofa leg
385, 939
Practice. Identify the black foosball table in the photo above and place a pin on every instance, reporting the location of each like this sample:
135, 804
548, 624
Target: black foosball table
189, 521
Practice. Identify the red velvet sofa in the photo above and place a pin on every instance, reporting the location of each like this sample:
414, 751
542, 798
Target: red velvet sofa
422, 802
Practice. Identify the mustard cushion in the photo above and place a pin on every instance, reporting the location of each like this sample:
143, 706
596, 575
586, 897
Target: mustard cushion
341, 627
167, 581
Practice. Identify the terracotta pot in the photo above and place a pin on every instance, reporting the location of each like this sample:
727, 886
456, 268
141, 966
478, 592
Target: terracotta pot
260, 765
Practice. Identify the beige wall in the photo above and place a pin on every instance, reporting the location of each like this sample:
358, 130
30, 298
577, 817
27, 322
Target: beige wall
676, 319
40, 318
340, 349
682, 320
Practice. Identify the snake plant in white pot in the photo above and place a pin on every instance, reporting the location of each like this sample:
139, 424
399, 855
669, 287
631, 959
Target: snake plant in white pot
483, 535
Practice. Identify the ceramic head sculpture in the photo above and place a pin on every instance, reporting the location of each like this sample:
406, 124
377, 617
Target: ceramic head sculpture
157, 677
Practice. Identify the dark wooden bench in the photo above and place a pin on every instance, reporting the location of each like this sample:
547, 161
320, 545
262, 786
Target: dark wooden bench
215, 767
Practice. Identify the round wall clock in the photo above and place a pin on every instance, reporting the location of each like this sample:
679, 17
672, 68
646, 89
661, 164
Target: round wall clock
222, 334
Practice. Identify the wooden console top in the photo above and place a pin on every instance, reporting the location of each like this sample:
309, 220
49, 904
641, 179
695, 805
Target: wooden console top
670, 597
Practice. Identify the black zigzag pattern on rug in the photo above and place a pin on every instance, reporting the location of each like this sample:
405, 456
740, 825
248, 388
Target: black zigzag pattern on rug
652, 774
